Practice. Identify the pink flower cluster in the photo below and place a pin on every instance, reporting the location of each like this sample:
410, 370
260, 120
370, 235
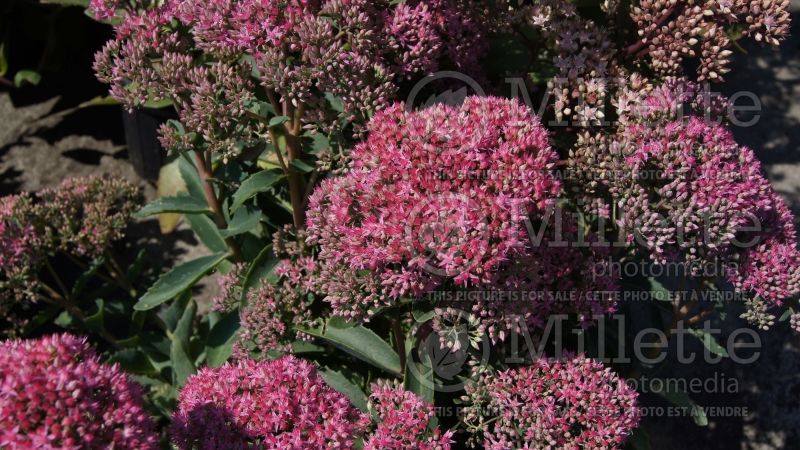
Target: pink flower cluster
20, 249
575, 403
439, 194
55, 393
584, 58
671, 31
403, 421
81, 218
269, 312
85, 215
355, 50
688, 193
279, 404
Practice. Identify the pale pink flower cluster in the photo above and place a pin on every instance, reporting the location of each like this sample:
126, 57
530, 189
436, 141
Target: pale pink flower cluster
81, 218
55, 393
20, 249
402, 420
279, 404
435, 195
575, 403
355, 50
672, 31
85, 215
584, 57
269, 312
713, 204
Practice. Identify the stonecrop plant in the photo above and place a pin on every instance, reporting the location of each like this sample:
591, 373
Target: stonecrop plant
421, 217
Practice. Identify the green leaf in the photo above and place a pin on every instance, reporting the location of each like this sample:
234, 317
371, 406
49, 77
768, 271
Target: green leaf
260, 269
182, 363
278, 120
185, 204
335, 102
243, 221
190, 176
658, 291
419, 376
96, 321
318, 143
100, 101
682, 399
158, 104
219, 345
302, 166
255, 184
27, 76
134, 361
340, 383
709, 341
87, 275
361, 343
207, 231
179, 279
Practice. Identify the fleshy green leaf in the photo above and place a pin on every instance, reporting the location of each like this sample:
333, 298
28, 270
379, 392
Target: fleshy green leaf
221, 339
419, 376
359, 342
278, 120
243, 221
302, 166
340, 383
709, 341
179, 279
207, 231
255, 184
185, 204
682, 399
182, 363
27, 76
260, 269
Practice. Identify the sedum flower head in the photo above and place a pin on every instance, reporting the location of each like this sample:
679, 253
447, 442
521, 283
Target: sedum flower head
576, 403
55, 393
279, 404
688, 193
439, 194
402, 421
88, 214
671, 31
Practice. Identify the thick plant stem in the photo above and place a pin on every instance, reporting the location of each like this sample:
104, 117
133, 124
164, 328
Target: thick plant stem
213, 202
296, 182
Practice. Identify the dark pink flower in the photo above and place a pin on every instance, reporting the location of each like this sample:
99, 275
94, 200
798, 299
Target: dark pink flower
403, 421
439, 194
55, 393
280, 404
